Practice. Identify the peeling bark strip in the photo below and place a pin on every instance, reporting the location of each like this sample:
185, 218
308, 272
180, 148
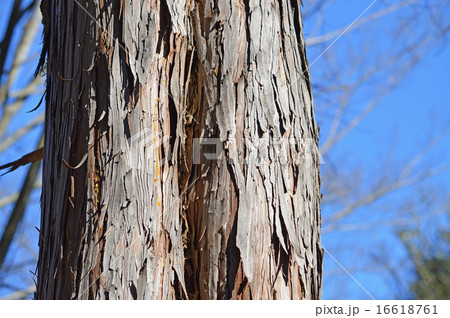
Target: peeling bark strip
138, 219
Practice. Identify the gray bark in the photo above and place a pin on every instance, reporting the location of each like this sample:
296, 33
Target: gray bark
119, 221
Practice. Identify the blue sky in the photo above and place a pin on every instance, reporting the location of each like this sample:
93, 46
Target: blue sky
416, 111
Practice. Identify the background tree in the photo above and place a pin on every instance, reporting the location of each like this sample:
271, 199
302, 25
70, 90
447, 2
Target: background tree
432, 278
428, 260
432, 281
18, 133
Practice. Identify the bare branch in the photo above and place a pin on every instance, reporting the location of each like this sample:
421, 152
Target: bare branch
19, 208
373, 196
13, 197
374, 16
21, 132
379, 223
20, 294
14, 18
21, 53
30, 89
335, 136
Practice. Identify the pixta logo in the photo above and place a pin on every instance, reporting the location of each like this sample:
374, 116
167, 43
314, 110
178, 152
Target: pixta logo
257, 151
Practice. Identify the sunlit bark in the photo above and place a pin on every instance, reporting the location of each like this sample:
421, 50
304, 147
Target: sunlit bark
133, 90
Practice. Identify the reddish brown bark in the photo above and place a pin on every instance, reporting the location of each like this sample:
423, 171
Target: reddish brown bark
121, 222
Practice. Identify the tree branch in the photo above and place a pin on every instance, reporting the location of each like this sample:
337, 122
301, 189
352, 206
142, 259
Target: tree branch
374, 16
19, 208
21, 132
20, 294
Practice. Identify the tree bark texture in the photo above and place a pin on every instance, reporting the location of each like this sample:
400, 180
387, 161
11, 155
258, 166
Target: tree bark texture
121, 222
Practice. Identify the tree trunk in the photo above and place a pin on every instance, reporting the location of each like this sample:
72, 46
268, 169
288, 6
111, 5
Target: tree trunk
132, 208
